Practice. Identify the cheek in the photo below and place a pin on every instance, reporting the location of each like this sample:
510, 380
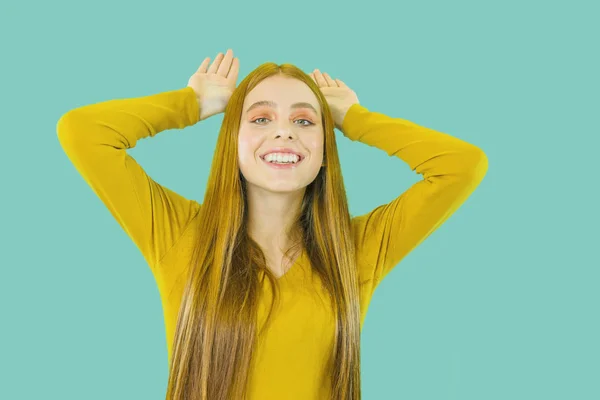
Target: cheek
247, 146
315, 144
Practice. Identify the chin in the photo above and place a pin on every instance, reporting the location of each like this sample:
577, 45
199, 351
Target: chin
279, 184
283, 186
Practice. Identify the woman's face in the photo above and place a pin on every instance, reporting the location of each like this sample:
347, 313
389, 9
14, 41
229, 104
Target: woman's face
281, 137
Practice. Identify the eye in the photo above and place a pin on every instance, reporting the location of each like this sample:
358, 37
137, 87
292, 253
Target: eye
257, 120
300, 119
309, 123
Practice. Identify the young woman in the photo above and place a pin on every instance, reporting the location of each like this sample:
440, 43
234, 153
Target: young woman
266, 283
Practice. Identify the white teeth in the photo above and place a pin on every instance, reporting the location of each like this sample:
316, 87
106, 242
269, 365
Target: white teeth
282, 158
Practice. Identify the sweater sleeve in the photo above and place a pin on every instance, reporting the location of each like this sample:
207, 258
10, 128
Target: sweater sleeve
451, 170
96, 138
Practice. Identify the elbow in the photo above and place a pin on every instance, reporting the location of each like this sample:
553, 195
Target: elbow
69, 128
475, 165
477, 158
65, 123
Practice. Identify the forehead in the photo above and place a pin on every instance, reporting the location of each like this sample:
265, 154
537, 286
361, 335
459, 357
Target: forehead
283, 91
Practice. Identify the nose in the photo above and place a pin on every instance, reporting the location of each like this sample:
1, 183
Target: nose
285, 132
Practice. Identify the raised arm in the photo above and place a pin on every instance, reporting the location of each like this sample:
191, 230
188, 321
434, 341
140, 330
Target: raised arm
96, 138
451, 170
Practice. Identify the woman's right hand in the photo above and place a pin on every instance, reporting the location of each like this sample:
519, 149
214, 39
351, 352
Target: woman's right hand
214, 85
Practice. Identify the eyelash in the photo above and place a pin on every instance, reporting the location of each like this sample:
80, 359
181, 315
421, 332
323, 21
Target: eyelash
299, 119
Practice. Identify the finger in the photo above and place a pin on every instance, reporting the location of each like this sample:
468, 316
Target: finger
235, 68
319, 78
202, 68
215, 65
329, 80
225, 65
341, 84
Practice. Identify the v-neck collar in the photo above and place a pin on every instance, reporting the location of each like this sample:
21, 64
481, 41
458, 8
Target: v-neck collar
294, 268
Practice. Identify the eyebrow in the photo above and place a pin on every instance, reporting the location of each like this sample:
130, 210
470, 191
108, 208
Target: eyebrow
272, 104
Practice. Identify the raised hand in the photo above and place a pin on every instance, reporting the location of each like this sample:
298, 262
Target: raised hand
338, 95
214, 85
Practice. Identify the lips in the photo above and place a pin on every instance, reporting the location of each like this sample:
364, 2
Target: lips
283, 150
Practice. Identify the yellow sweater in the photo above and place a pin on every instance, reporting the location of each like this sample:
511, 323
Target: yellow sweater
290, 357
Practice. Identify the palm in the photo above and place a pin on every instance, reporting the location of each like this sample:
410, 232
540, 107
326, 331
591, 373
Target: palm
214, 85
338, 95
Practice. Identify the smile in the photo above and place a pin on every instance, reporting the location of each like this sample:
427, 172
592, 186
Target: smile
282, 164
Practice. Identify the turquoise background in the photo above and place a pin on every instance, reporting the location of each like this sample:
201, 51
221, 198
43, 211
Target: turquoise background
500, 303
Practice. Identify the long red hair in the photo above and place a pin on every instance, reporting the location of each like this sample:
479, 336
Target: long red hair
217, 324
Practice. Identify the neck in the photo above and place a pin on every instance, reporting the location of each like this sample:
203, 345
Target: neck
271, 217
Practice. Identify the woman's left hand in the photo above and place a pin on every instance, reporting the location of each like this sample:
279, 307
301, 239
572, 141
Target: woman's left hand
339, 96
